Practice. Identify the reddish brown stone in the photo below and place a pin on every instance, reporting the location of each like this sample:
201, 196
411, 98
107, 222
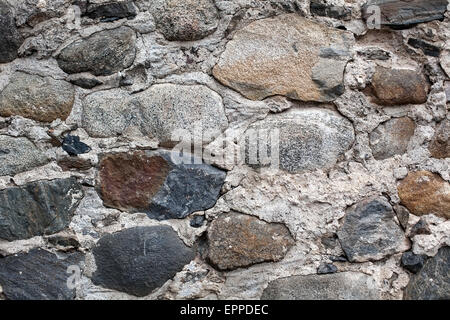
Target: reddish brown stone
424, 192
238, 240
440, 146
129, 181
399, 86
72, 163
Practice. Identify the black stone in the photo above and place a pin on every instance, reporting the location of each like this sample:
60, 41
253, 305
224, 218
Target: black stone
86, 83
73, 146
38, 208
197, 221
38, 275
326, 268
413, 262
112, 11
10, 39
188, 188
140, 259
433, 280
320, 8
427, 48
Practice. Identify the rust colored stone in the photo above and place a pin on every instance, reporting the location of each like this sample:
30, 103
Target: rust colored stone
72, 163
440, 146
129, 181
424, 192
399, 86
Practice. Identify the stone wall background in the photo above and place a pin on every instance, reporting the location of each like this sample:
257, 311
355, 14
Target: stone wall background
92, 206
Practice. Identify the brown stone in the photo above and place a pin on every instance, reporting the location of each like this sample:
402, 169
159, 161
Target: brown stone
129, 181
399, 86
238, 240
424, 192
74, 163
440, 146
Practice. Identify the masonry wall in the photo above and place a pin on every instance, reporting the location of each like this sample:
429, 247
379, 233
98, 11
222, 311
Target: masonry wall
348, 97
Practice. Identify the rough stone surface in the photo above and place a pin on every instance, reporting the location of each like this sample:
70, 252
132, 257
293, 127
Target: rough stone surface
10, 39
185, 20
392, 138
321, 8
38, 275
101, 54
140, 259
308, 138
269, 57
153, 183
111, 11
326, 268
440, 145
337, 286
38, 208
236, 240
424, 192
406, 13
39, 98
73, 146
18, 155
413, 262
399, 86
158, 111
369, 232
433, 281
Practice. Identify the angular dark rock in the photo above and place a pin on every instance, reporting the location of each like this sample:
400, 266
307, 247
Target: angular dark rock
38, 208
413, 262
321, 8
433, 280
237, 240
369, 232
140, 259
39, 98
427, 48
197, 221
407, 13
151, 182
111, 11
10, 39
39, 275
421, 227
336, 286
102, 54
85, 82
375, 54
73, 146
326, 268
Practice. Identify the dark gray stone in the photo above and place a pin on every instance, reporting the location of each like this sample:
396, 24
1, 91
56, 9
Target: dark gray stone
375, 54
10, 39
407, 13
197, 221
427, 48
102, 54
326, 268
38, 208
433, 280
336, 286
140, 259
413, 262
112, 11
321, 8
38, 275
369, 232
421, 227
73, 146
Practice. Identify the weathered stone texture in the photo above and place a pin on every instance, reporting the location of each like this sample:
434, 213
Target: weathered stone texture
407, 13
399, 86
337, 286
237, 240
18, 155
111, 11
433, 281
38, 208
140, 259
440, 145
10, 39
101, 54
424, 192
392, 138
185, 20
38, 275
39, 98
308, 139
369, 232
286, 55
153, 183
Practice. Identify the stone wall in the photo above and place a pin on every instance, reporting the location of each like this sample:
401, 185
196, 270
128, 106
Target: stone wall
93, 204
